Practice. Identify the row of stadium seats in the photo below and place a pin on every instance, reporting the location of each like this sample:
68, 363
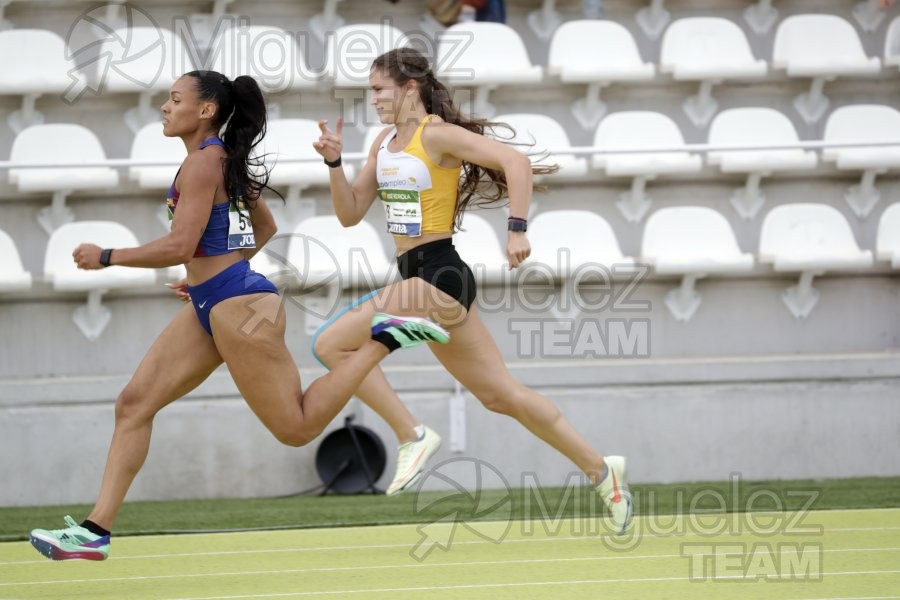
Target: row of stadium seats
652, 20
116, 14
707, 50
113, 14
483, 56
655, 133
689, 242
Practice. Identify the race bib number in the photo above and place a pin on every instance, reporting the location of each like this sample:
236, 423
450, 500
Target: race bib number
402, 211
240, 228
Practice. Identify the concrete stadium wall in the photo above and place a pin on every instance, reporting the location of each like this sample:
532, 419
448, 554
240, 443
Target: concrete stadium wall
676, 420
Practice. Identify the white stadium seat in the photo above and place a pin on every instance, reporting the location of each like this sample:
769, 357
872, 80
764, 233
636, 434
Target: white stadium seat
145, 61
691, 241
327, 257
13, 276
641, 130
809, 239
708, 50
325, 252
51, 145
350, 50
596, 53
151, 145
484, 56
575, 247
61, 271
584, 237
821, 47
749, 127
537, 134
479, 246
888, 240
863, 123
269, 54
103, 19
43, 69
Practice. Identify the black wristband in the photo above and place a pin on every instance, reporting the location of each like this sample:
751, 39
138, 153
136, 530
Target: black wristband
516, 224
105, 255
332, 165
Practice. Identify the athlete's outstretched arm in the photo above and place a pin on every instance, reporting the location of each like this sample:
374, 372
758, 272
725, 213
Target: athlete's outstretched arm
201, 174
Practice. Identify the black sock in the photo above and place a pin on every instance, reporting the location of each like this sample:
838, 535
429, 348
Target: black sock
385, 338
94, 528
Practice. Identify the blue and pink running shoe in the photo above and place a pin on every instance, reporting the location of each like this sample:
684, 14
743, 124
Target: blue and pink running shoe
72, 542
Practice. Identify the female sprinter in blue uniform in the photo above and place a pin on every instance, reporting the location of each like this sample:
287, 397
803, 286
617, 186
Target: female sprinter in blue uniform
215, 229
414, 167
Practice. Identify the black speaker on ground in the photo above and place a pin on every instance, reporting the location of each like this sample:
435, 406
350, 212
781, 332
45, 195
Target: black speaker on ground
350, 460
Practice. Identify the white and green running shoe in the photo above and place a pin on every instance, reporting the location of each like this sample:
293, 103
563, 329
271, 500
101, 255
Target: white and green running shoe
409, 331
411, 459
615, 493
72, 542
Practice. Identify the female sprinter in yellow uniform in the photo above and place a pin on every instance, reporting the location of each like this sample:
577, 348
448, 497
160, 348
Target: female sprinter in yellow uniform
414, 168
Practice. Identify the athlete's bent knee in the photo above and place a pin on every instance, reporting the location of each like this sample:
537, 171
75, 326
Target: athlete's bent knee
329, 353
501, 399
295, 437
324, 350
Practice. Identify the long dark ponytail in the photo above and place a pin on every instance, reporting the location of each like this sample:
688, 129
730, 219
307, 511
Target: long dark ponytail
242, 111
480, 186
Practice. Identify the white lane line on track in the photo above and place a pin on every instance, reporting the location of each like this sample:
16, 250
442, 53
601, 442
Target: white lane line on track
288, 529
357, 568
410, 544
854, 598
502, 585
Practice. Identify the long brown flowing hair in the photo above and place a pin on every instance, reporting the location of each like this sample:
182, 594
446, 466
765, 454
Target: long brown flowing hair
480, 186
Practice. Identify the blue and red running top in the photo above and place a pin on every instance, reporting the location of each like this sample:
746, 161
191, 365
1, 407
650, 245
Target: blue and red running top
214, 240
